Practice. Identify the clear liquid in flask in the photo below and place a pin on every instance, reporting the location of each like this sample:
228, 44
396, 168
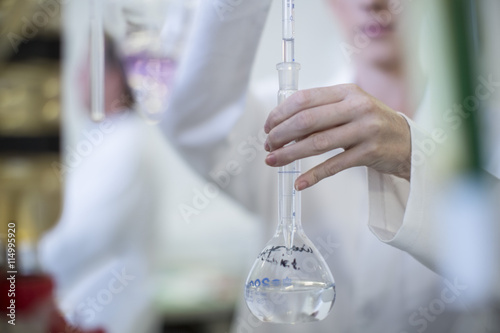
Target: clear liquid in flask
290, 284
306, 301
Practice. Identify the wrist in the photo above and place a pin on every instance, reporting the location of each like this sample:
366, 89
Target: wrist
403, 169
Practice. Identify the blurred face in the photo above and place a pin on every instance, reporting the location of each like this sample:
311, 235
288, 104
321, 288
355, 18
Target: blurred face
115, 88
113, 84
372, 29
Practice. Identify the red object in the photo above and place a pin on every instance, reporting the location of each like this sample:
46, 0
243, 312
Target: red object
30, 291
26, 291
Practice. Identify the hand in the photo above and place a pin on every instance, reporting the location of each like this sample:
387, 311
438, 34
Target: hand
343, 116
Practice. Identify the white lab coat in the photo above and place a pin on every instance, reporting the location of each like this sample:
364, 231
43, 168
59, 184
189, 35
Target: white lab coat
379, 288
101, 253
451, 226
120, 240
119, 231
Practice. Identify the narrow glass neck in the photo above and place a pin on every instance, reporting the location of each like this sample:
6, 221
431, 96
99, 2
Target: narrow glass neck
289, 198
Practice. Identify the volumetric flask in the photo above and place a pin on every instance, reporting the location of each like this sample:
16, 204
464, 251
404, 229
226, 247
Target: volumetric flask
290, 281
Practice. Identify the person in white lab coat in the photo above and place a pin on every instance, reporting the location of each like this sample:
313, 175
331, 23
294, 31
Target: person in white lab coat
373, 135
102, 250
379, 287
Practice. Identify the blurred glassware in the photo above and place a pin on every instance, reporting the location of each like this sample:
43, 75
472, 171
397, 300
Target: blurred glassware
150, 36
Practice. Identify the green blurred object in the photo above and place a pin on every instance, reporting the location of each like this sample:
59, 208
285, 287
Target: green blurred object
462, 18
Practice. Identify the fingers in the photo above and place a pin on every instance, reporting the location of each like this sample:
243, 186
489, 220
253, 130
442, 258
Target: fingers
345, 160
324, 119
339, 137
306, 122
303, 100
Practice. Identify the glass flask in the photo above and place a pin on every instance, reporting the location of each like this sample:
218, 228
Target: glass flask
290, 281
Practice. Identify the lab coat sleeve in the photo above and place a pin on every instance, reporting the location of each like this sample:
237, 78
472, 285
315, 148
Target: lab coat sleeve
404, 215
101, 197
399, 209
209, 95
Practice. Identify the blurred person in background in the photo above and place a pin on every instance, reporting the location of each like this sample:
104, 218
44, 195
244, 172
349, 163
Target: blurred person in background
119, 254
102, 250
343, 127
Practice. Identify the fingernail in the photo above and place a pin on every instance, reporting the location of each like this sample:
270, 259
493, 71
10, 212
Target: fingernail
266, 128
266, 146
301, 185
271, 159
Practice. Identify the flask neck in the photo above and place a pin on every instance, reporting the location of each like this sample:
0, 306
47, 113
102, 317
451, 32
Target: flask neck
289, 202
289, 198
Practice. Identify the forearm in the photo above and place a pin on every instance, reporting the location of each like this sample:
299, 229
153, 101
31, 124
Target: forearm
209, 94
